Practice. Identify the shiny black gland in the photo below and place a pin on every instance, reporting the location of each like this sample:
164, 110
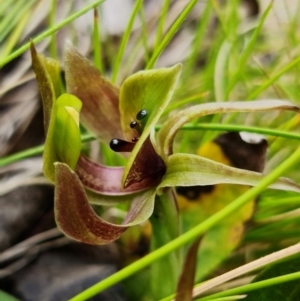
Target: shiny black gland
141, 114
119, 145
133, 124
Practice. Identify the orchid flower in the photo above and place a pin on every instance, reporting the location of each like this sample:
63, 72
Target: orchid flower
125, 118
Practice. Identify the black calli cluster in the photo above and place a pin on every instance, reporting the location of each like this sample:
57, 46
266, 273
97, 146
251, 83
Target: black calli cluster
119, 145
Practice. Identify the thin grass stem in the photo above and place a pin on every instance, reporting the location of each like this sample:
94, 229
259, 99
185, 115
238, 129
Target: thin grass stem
159, 49
125, 40
49, 32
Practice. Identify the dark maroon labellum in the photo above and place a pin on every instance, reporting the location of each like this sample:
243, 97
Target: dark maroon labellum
135, 139
119, 145
148, 167
141, 114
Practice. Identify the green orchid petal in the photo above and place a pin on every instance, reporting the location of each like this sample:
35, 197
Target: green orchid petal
63, 142
100, 99
76, 218
149, 90
192, 170
47, 75
66, 134
168, 131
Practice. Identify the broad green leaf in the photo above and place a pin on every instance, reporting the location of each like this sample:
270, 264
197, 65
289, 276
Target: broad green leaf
192, 170
66, 136
149, 90
100, 99
288, 291
47, 75
170, 128
76, 218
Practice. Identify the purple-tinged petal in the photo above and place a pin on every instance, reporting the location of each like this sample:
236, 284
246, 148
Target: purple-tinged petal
106, 180
76, 218
100, 99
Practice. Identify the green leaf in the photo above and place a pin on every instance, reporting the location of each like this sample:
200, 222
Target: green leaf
149, 90
288, 291
170, 128
192, 170
75, 217
100, 99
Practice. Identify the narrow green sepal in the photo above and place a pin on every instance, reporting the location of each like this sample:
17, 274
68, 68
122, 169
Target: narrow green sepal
47, 74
